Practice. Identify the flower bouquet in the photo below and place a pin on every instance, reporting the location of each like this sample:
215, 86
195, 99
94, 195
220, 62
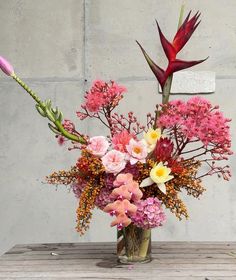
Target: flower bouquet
136, 170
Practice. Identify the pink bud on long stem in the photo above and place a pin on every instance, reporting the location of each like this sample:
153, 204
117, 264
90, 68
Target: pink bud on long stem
6, 67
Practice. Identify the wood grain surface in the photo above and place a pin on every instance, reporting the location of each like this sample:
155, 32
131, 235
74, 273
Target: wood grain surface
171, 261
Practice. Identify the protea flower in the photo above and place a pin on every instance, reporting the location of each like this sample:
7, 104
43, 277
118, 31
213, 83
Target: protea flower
182, 36
163, 149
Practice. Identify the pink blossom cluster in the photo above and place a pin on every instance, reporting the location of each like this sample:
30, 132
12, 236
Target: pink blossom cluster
126, 190
198, 119
68, 125
149, 213
103, 94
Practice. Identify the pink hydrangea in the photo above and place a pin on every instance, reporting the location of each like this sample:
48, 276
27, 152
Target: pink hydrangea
103, 199
149, 213
121, 140
137, 151
98, 145
114, 161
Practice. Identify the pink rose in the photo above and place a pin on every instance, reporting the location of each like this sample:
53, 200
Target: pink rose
114, 161
98, 145
137, 151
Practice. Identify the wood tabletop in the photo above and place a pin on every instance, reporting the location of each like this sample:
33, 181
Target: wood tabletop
171, 261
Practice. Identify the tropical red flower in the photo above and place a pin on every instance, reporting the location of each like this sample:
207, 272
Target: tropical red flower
163, 149
182, 36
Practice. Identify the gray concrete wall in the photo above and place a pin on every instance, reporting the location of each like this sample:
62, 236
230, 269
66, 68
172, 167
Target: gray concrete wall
54, 46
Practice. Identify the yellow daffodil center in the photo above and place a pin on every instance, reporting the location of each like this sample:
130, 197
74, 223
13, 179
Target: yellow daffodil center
152, 136
160, 173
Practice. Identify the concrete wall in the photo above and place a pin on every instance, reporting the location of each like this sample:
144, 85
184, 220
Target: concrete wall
54, 46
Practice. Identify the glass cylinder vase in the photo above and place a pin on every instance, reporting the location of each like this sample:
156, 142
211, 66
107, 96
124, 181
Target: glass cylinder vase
134, 245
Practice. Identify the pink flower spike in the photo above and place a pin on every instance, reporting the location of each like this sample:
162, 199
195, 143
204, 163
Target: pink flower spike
136, 193
120, 207
123, 179
121, 193
6, 67
121, 221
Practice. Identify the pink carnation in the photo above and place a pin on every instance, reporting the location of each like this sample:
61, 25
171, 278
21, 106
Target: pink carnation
149, 213
114, 161
121, 140
137, 151
98, 145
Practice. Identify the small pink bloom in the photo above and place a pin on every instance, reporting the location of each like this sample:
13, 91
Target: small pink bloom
133, 188
121, 221
98, 145
120, 207
114, 161
137, 151
61, 140
68, 125
6, 67
120, 140
123, 179
121, 193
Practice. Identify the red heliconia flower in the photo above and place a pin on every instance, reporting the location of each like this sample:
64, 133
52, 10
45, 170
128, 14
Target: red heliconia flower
171, 49
163, 149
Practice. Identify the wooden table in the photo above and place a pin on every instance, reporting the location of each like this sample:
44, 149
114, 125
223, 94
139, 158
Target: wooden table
171, 261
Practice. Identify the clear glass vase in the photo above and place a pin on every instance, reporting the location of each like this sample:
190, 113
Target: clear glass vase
133, 245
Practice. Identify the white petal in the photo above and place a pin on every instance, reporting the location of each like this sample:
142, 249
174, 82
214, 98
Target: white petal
146, 182
162, 187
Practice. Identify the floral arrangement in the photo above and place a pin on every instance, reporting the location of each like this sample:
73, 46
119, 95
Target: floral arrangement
138, 169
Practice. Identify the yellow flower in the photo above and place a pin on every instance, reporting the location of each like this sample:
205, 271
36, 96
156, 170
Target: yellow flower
152, 136
159, 174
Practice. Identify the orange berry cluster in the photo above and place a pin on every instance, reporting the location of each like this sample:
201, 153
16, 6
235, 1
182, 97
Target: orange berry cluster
63, 177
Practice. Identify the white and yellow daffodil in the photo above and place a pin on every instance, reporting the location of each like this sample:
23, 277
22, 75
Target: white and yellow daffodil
159, 174
151, 137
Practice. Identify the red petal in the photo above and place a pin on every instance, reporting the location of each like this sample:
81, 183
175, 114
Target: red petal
167, 46
178, 65
158, 72
185, 31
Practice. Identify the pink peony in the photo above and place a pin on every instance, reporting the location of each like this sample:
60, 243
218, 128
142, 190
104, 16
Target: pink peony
137, 151
120, 140
98, 145
114, 161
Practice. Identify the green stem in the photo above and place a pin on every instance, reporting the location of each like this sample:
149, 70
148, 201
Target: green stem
168, 83
52, 118
145, 242
26, 88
